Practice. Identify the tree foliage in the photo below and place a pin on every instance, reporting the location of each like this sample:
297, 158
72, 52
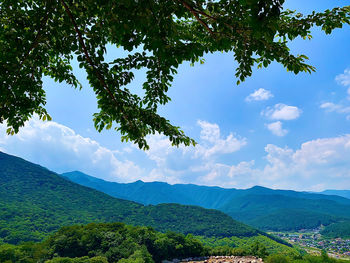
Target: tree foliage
105, 243
41, 37
116, 242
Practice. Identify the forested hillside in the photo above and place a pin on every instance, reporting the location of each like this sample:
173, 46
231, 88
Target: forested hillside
117, 242
340, 229
258, 206
269, 209
105, 243
297, 219
35, 202
158, 192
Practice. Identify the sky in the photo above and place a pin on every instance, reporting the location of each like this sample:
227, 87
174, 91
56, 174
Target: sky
276, 129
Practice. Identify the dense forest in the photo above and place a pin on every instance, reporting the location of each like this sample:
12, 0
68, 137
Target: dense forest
120, 243
102, 243
117, 242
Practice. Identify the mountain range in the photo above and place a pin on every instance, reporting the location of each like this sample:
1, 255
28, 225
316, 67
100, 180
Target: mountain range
260, 207
35, 202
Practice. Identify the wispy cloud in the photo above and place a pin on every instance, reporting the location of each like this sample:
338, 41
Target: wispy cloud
331, 107
344, 80
341, 107
259, 95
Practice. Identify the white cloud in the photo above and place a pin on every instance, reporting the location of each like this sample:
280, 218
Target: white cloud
276, 128
241, 175
282, 112
212, 143
259, 95
60, 149
343, 79
316, 165
192, 164
317, 162
241, 168
338, 108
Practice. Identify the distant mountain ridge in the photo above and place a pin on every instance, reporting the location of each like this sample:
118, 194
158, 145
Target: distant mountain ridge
258, 206
35, 202
342, 193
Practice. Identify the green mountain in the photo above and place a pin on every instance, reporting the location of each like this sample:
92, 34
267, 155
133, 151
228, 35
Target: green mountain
254, 209
258, 206
35, 202
157, 192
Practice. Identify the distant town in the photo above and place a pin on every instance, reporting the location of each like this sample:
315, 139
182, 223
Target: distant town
313, 242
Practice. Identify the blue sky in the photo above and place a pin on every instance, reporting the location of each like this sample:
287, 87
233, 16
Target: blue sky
276, 129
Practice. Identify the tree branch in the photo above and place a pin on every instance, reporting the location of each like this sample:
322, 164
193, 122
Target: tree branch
195, 14
89, 60
36, 39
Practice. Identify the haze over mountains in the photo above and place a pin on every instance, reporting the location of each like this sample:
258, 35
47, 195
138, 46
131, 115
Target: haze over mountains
261, 207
